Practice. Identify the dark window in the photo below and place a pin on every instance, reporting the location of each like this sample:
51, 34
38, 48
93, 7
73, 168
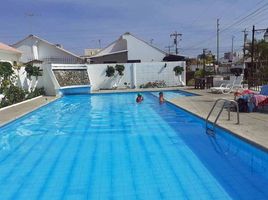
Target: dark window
133, 61
107, 62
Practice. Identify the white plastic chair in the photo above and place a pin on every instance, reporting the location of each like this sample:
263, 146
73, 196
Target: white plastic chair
234, 84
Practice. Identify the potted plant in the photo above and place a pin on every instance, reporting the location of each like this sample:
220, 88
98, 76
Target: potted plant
120, 69
110, 71
178, 72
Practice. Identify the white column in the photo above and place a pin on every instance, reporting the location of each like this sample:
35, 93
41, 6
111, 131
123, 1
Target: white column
134, 76
35, 50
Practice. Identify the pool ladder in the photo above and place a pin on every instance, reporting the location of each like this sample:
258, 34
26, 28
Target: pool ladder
227, 102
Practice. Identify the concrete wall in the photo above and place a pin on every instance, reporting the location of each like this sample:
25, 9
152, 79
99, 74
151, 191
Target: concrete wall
135, 74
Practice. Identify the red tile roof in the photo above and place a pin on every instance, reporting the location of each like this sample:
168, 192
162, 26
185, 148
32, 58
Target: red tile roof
4, 47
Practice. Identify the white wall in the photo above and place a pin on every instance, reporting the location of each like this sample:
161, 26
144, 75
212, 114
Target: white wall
25, 46
9, 57
34, 48
139, 50
98, 78
23, 82
135, 74
149, 72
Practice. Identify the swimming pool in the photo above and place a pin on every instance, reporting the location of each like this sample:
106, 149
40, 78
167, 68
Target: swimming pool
109, 147
168, 95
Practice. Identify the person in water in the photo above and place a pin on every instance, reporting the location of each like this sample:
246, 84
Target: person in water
161, 97
139, 98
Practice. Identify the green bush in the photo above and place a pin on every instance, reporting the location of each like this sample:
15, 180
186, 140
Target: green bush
191, 82
199, 73
37, 92
14, 94
6, 70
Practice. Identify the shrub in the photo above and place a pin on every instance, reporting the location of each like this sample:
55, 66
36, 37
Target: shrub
120, 69
37, 92
6, 70
110, 71
14, 94
191, 82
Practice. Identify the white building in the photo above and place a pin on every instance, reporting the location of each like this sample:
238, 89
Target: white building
128, 49
35, 48
9, 54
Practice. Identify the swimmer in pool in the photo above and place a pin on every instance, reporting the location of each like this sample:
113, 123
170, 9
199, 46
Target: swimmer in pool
139, 98
161, 97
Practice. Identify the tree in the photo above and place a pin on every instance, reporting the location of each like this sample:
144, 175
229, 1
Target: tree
260, 57
178, 72
35, 72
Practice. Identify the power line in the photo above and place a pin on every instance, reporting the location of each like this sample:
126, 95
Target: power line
244, 18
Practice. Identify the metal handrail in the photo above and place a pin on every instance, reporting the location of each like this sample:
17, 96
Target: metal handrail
215, 121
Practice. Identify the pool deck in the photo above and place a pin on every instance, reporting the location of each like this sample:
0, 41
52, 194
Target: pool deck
10, 113
253, 126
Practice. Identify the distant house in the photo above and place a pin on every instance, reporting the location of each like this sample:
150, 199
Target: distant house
36, 49
128, 49
9, 54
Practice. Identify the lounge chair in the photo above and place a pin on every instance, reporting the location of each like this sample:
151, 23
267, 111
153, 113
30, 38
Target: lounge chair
225, 88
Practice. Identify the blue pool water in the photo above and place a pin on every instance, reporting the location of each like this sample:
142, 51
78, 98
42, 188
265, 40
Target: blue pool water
109, 147
173, 94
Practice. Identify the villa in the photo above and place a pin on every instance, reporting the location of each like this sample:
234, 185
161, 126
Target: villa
38, 49
128, 49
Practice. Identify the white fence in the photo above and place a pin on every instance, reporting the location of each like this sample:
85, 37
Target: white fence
135, 74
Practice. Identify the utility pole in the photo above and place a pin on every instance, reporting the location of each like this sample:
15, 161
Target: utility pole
232, 56
252, 57
204, 60
245, 41
176, 35
218, 41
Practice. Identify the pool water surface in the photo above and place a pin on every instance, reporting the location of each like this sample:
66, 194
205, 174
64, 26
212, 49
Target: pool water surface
109, 147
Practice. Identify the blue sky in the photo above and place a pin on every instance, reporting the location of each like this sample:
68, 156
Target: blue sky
79, 24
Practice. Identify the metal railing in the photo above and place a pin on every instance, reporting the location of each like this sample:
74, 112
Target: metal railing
230, 102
